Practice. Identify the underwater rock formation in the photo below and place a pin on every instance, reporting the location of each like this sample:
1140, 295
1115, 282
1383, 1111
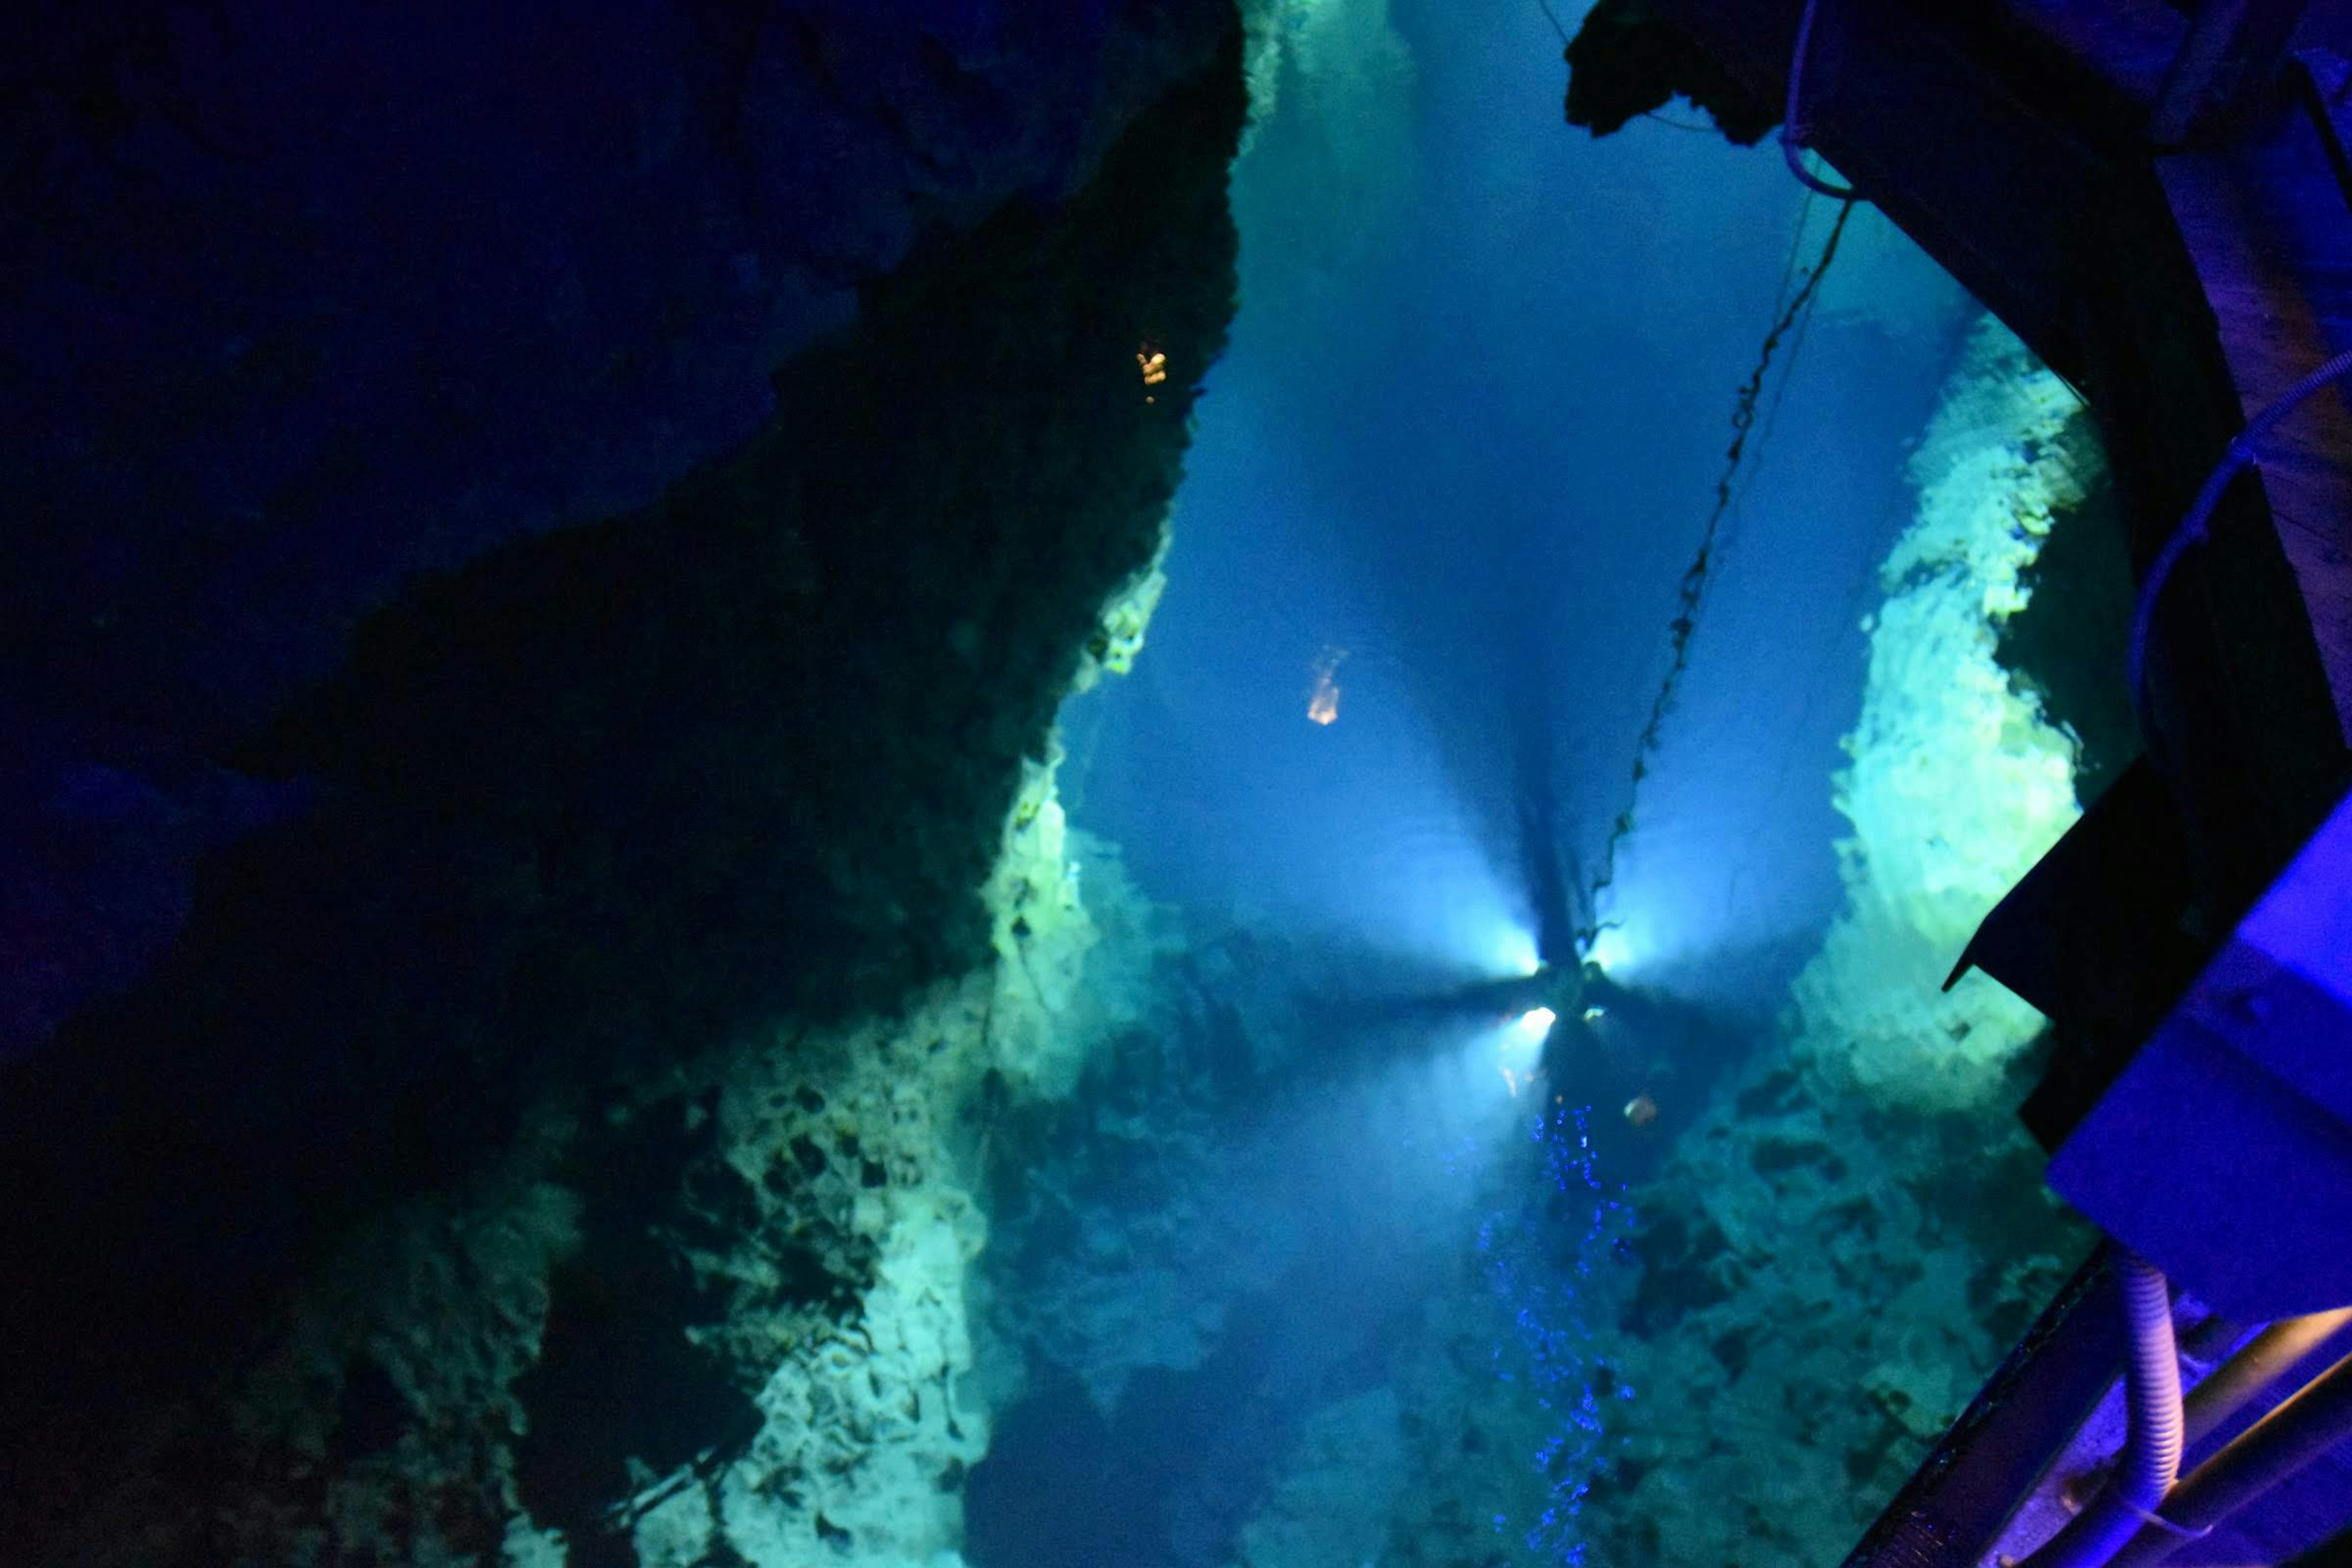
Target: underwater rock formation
1127, 1248
306, 305
1626, 60
1191, 1283
1349, 1459
845, 1307
2066, 642
1957, 782
413, 1187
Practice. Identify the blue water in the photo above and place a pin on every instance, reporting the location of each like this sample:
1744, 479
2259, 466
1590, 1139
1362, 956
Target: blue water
1473, 442
1458, 456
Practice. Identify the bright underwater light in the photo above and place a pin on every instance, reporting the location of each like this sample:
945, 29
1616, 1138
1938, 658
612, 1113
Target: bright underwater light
1518, 1047
1610, 949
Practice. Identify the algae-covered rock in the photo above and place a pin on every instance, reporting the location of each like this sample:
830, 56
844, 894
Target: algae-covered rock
847, 1301
1040, 935
1112, 649
1956, 783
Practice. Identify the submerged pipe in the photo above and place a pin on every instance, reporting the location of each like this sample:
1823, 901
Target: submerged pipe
2257, 1368
2152, 1447
2307, 1425
2254, 1370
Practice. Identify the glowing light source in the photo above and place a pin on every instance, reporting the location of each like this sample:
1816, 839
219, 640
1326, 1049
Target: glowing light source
1517, 1047
1514, 952
1609, 950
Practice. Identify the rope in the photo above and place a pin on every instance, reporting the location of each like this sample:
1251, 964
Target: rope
1788, 367
1692, 589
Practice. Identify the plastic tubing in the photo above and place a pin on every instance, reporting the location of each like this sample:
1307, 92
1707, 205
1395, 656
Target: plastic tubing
2300, 1430
2254, 1370
2192, 527
2152, 1451
1792, 141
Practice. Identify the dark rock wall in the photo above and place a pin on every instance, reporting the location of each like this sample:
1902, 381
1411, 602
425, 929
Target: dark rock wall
419, 562
302, 301
1628, 60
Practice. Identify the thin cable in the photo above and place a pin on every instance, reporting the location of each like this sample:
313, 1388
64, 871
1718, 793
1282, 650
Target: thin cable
1789, 276
1692, 589
1545, 6
1747, 480
2191, 532
1792, 136
1788, 262
1780, 391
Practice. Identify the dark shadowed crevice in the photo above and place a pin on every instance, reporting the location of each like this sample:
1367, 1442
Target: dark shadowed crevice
611, 798
2066, 646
